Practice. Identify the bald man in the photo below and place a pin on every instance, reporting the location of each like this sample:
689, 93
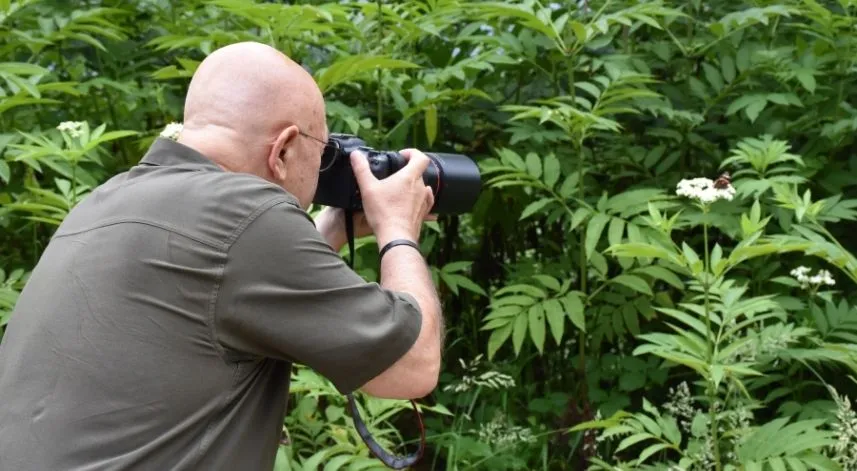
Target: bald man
159, 328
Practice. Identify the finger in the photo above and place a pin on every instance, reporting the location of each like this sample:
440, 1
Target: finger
361, 169
429, 199
417, 161
431, 217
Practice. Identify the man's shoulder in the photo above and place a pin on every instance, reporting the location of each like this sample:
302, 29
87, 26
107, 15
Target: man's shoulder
212, 206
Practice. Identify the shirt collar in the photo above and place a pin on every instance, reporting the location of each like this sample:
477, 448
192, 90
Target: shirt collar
166, 152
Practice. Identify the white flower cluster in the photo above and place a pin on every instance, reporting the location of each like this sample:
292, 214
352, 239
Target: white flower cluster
73, 128
703, 190
680, 405
739, 421
844, 451
487, 379
822, 277
500, 434
172, 131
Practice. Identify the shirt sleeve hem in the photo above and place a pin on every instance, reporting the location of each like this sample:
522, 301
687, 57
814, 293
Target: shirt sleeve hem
391, 352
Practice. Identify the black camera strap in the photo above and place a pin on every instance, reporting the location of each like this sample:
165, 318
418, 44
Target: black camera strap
392, 461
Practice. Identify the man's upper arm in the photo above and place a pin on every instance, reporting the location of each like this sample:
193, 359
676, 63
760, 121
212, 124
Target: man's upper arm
286, 294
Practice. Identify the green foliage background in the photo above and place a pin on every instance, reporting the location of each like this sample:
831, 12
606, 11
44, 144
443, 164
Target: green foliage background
596, 318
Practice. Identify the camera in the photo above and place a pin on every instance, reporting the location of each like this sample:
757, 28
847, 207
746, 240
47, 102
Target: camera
453, 178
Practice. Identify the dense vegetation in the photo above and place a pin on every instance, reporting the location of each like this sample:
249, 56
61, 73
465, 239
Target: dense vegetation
598, 316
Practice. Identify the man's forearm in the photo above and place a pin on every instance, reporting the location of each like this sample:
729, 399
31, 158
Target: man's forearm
415, 374
404, 269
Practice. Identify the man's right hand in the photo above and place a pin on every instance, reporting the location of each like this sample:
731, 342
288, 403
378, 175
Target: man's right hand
396, 206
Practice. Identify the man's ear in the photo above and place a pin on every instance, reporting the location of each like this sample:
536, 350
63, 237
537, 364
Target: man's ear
279, 153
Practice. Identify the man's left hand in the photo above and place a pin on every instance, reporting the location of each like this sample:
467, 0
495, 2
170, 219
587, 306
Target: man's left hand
330, 222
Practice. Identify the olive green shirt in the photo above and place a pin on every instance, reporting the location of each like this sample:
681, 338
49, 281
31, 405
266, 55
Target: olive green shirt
158, 330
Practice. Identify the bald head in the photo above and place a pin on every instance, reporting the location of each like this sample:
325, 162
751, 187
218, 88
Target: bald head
249, 108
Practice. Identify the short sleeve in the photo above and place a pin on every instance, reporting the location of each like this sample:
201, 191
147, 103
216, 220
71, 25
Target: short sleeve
285, 294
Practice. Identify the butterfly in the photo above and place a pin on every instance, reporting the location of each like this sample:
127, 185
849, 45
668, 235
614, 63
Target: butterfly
723, 181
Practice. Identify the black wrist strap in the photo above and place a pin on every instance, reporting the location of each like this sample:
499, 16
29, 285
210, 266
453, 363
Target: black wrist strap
397, 242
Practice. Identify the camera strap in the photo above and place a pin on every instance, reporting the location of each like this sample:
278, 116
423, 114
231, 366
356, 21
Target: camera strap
392, 461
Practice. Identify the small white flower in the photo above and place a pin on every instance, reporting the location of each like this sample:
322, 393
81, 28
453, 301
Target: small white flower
703, 190
72, 128
823, 277
172, 131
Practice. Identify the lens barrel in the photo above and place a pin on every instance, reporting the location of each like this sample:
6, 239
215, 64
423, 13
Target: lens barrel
454, 178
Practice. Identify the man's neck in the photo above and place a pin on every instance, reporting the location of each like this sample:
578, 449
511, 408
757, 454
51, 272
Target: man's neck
220, 145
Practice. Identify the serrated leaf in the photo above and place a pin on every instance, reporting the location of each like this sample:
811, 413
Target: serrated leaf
519, 332
716, 372
5, 171
550, 282
575, 310
713, 77
651, 450
753, 109
634, 282
551, 170
615, 231
498, 338
632, 440
534, 165
556, 319
536, 317
352, 67
806, 79
535, 207
593, 231
431, 124
727, 68
579, 31
568, 185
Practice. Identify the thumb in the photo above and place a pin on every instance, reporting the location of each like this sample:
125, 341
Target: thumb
361, 168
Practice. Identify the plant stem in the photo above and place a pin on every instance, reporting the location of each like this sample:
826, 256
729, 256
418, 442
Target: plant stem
712, 388
73, 184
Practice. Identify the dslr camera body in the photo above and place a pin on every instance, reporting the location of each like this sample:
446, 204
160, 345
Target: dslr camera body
453, 178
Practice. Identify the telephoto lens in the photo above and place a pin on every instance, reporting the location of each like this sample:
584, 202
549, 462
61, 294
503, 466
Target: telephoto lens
454, 178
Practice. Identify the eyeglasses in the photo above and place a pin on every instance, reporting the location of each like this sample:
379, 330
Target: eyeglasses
328, 154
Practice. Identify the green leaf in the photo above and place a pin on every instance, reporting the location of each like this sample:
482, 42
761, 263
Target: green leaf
806, 79
632, 440
575, 309
663, 274
568, 185
535, 207
579, 31
556, 318
615, 231
640, 250
5, 171
534, 166
537, 326
727, 68
431, 123
593, 231
713, 77
550, 282
498, 338
519, 332
717, 373
753, 109
551, 170
651, 450
634, 282
351, 67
